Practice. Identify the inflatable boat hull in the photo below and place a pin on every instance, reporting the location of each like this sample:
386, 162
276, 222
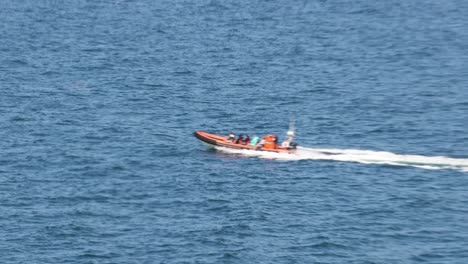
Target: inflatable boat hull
222, 141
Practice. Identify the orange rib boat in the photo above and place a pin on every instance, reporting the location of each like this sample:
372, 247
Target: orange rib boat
223, 141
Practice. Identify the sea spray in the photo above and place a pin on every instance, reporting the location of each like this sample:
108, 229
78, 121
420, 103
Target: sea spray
361, 156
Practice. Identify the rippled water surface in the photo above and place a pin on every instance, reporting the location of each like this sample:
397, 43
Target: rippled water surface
99, 100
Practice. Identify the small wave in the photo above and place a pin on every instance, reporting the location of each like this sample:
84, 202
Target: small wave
361, 156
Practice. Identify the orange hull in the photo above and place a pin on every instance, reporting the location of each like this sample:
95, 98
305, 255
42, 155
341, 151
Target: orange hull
222, 141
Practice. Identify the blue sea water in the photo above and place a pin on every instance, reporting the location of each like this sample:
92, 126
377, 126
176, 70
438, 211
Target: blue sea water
99, 100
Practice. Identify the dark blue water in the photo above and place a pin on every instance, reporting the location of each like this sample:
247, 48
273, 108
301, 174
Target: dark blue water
99, 99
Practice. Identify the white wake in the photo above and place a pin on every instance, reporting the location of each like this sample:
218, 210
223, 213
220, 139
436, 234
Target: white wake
361, 156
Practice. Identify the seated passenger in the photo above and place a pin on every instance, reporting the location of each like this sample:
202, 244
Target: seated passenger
260, 144
240, 139
254, 141
288, 142
231, 137
246, 140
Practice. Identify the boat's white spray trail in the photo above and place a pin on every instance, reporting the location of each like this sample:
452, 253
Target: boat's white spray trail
361, 156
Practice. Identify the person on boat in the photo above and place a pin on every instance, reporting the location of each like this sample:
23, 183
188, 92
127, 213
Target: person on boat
246, 140
260, 144
231, 137
269, 142
240, 139
288, 142
254, 141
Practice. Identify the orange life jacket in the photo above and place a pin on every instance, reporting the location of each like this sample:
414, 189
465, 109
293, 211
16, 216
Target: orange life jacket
269, 142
